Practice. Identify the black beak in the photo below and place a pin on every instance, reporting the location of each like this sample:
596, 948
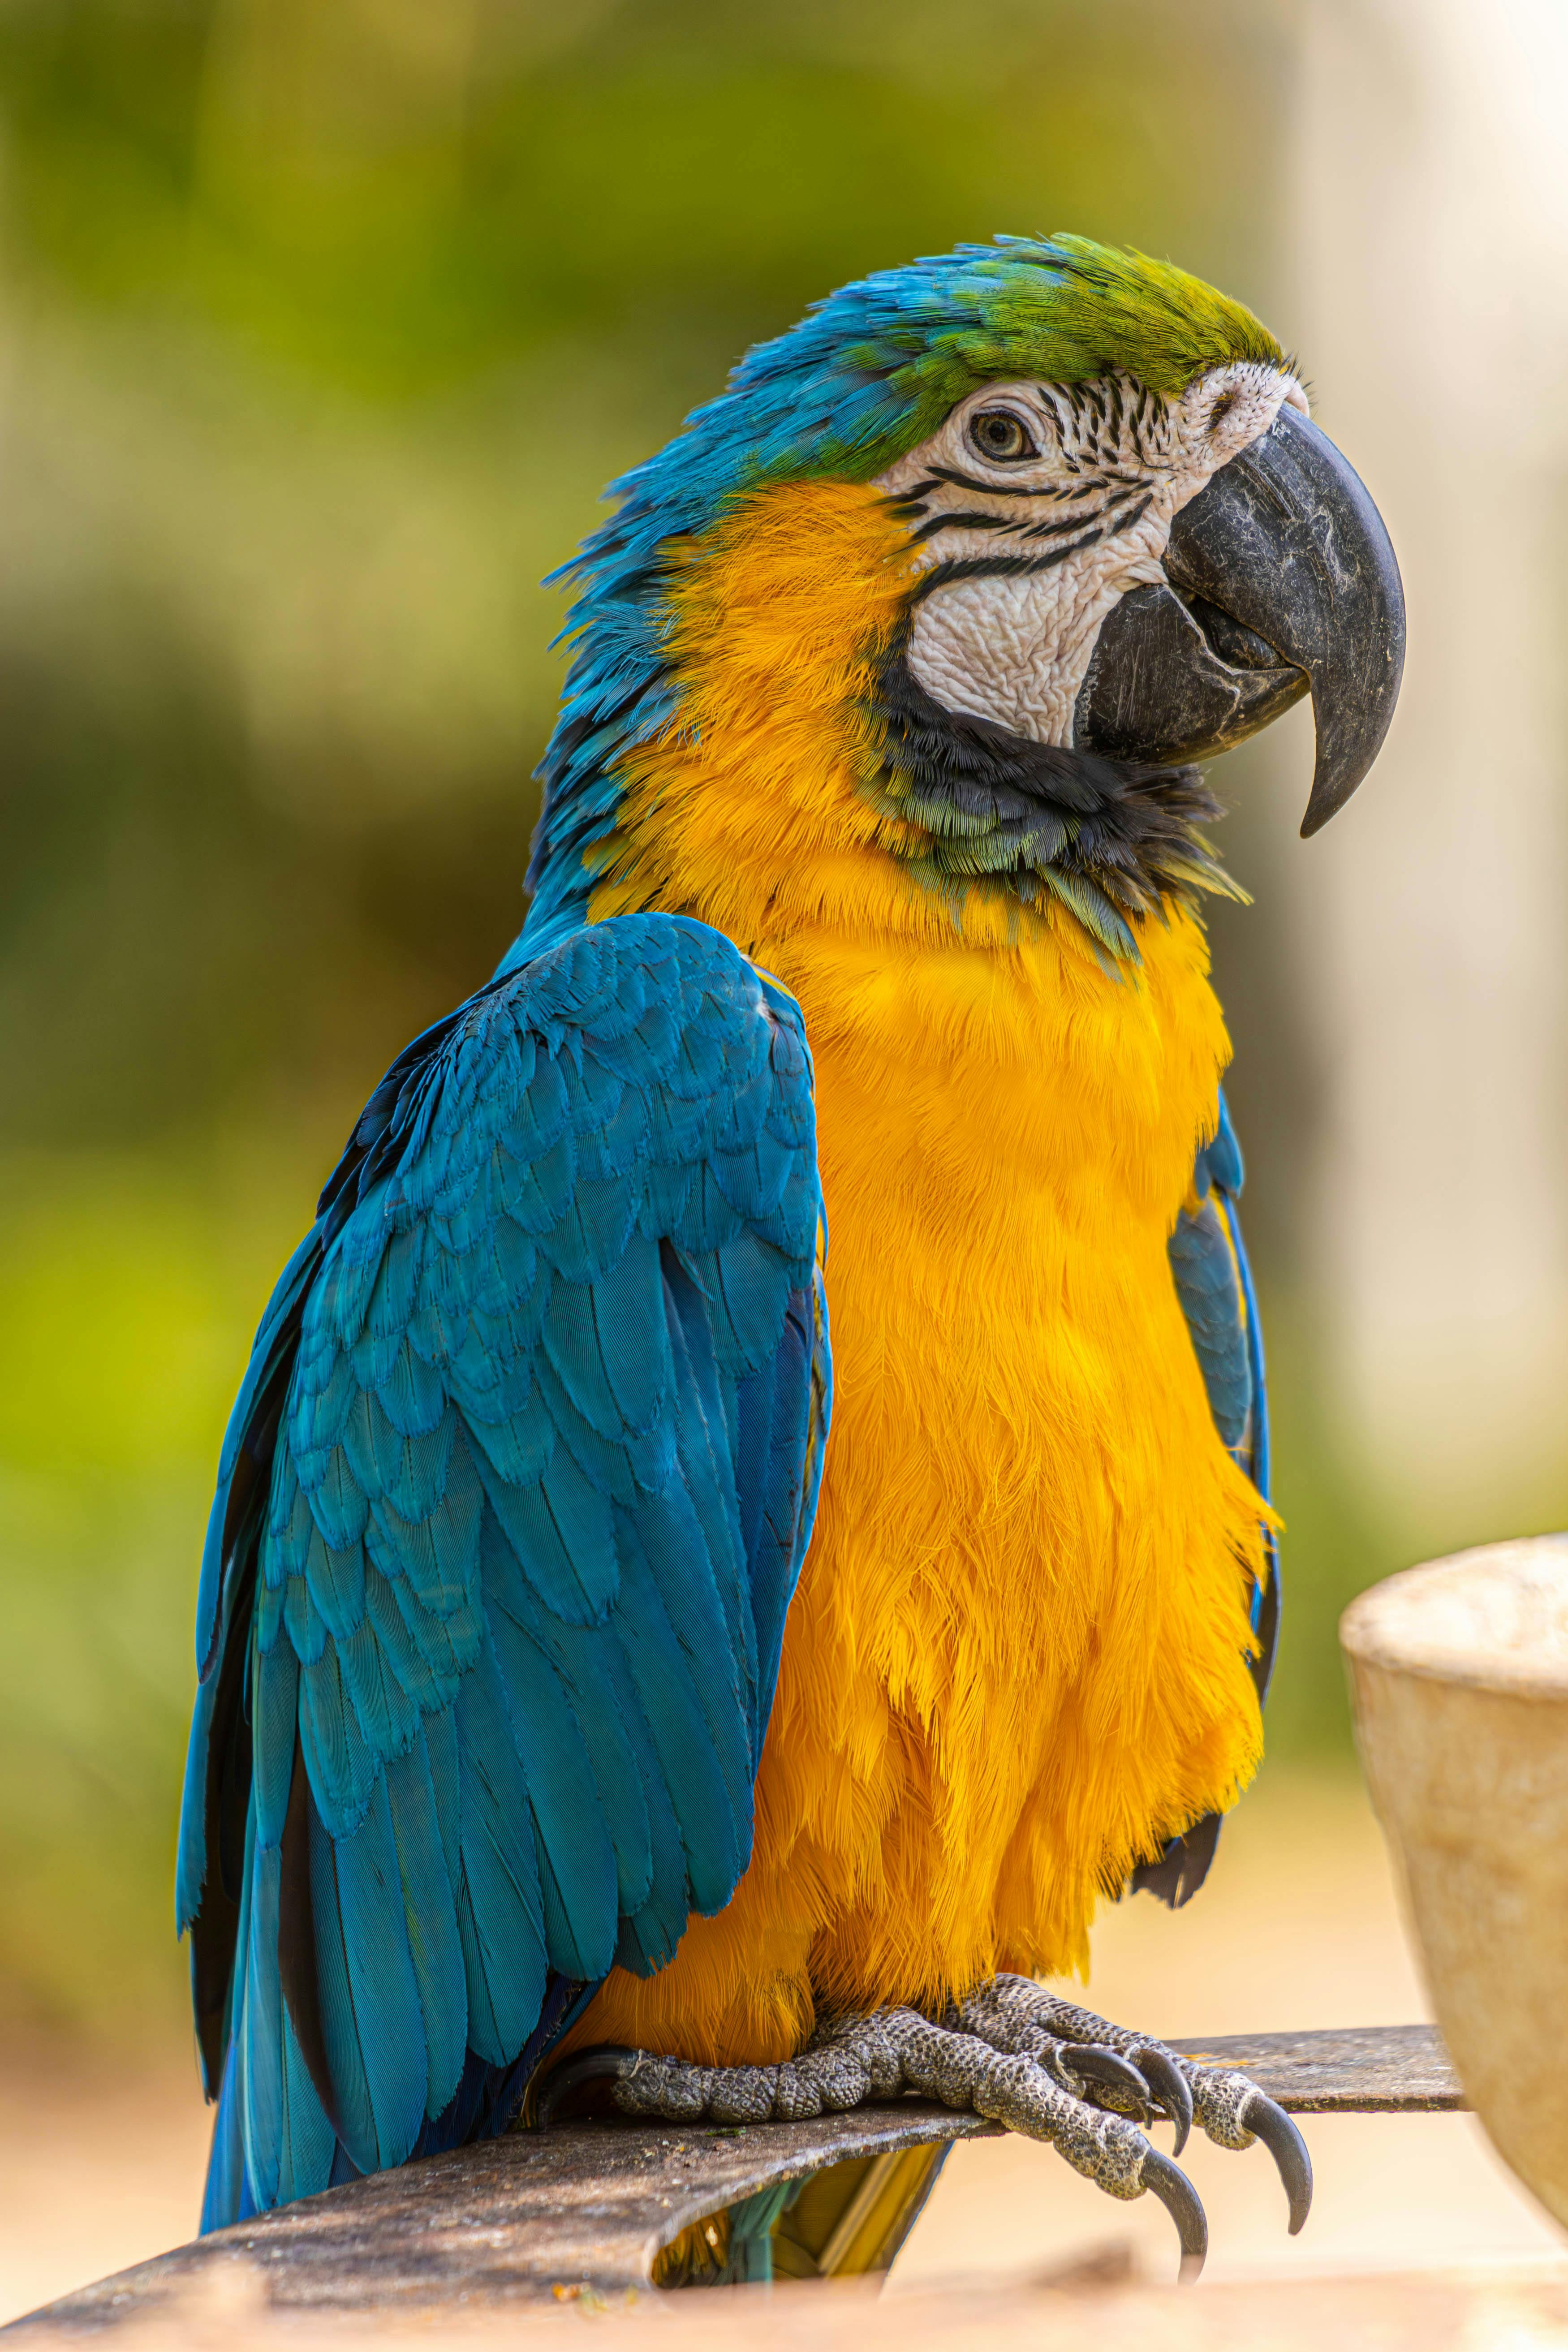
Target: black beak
1283, 582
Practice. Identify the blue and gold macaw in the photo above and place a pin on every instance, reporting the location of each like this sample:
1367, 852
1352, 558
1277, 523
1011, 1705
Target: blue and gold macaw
574, 1721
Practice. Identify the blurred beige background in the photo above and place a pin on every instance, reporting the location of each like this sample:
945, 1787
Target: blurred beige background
322, 323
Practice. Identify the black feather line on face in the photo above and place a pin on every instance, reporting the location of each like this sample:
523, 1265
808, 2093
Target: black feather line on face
998, 567
930, 486
1109, 839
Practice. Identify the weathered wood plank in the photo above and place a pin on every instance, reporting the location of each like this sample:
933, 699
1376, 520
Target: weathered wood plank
589, 2205
1348, 2070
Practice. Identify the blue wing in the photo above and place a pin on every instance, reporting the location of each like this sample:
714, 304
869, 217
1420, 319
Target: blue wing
1214, 1284
509, 1517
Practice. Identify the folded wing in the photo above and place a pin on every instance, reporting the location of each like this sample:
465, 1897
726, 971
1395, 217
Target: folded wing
1214, 1284
510, 1514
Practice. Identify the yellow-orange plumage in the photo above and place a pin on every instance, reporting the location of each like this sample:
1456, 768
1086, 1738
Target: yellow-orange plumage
1015, 1661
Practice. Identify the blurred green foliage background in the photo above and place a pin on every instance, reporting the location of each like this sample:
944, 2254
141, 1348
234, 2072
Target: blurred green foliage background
322, 325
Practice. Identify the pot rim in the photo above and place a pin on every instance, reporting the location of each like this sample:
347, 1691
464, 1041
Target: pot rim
1381, 1629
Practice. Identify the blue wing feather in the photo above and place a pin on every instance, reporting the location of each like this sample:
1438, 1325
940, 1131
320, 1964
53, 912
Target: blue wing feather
1214, 1284
510, 1514
1208, 1283
430, 1913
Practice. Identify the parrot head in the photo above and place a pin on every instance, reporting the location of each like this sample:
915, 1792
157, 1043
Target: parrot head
1043, 522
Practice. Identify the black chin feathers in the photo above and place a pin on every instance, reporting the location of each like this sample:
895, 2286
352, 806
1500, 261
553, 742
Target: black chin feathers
1108, 839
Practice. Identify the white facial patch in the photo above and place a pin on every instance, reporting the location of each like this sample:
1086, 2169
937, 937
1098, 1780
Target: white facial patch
1038, 505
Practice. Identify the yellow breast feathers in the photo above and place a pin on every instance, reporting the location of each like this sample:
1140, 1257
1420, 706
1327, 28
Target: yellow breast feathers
1016, 1662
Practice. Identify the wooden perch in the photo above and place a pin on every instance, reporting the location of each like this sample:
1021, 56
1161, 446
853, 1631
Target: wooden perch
584, 2209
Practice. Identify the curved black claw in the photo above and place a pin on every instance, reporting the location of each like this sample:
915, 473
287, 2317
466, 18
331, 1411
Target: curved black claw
1171, 2090
606, 2062
1176, 2192
1097, 2064
1280, 2136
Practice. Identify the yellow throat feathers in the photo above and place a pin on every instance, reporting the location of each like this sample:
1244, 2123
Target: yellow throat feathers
1016, 1662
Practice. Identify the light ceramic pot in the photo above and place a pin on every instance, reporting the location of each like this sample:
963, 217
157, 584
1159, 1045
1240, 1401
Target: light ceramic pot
1459, 1683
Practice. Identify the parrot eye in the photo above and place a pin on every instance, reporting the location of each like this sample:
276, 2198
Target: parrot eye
1001, 438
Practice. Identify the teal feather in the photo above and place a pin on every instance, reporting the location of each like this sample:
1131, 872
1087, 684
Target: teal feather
512, 1424
388, 1713
338, 1503
269, 1600
500, 1914
438, 1553
592, 1687
342, 1765
414, 1468
534, 1503
539, 1122
410, 1394
537, 1192
747, 1301
666, 1192
619, 1471
261, 2089
305, 1627
578, 1869
363, 1436
274, 1712
448, 1644
606, 1343
592, 1237
428, 1670
396, 1285
707, 1781
708, 1221
562, 1530
309, 2141
443, 1754
430, 1911
290, 1527
371, 2017
335, 1583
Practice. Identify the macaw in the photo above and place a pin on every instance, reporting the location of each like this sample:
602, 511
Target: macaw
578, 1720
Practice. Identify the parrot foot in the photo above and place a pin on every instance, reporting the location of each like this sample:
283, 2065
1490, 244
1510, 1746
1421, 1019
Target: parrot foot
1015, 2014
1010, 2051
